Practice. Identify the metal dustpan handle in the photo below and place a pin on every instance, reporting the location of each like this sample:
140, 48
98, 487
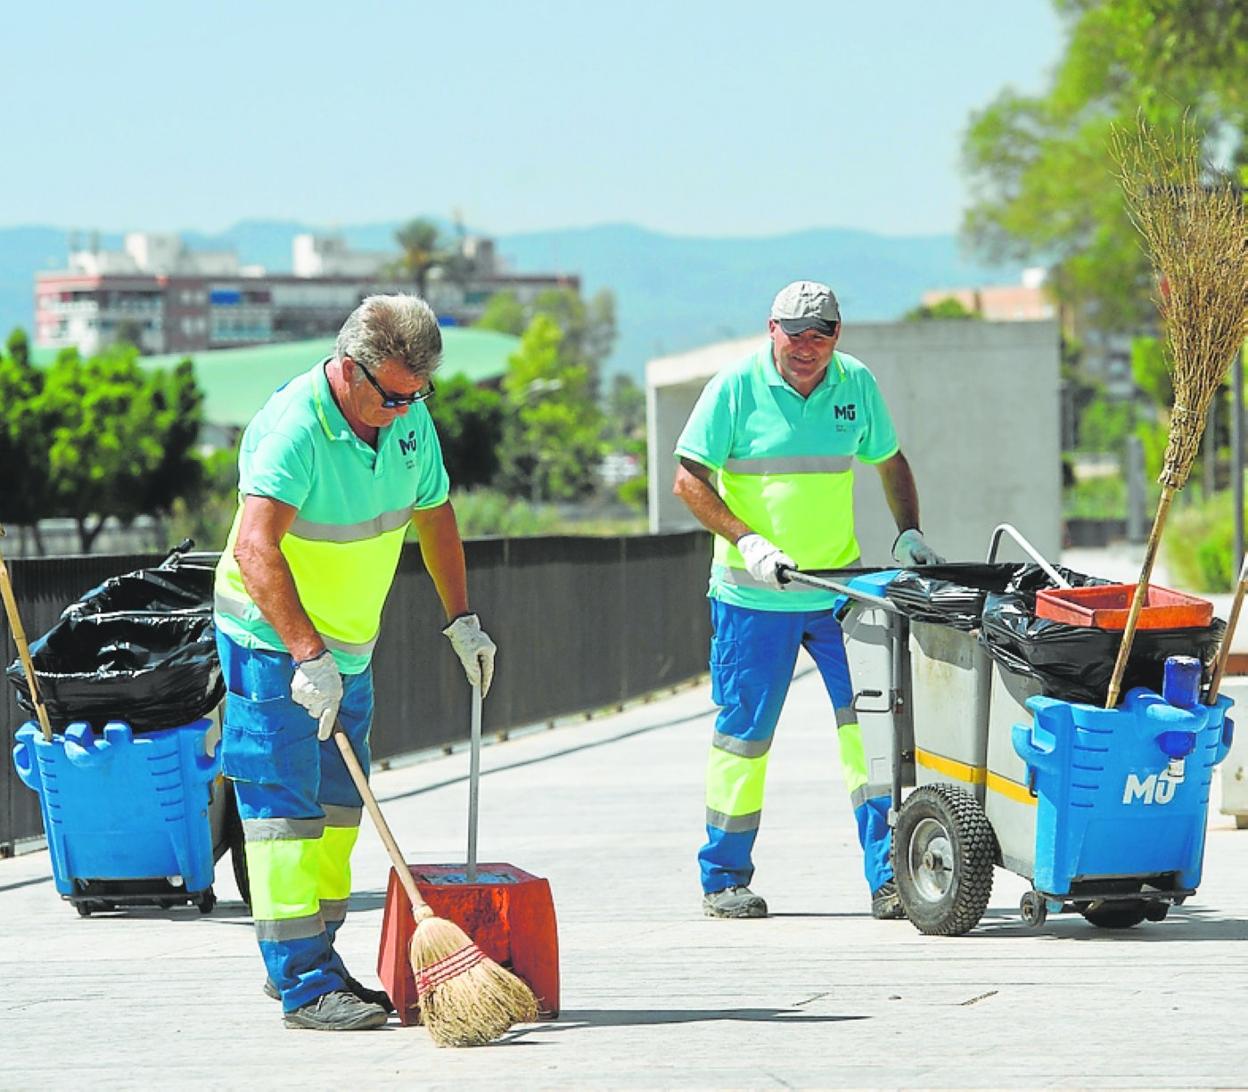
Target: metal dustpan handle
474, 782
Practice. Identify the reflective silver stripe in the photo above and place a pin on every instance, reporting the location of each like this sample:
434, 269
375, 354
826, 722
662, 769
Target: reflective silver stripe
869, 792
733, 824
741, 578
363, 648
239, 608
336, 815
846, 716
281, 830
351, 532
290, 928
792, 464
744, 748
334, 909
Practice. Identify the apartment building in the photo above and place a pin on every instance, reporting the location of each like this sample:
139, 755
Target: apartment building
167, 298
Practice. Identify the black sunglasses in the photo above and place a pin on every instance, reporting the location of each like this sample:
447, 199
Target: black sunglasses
394, 401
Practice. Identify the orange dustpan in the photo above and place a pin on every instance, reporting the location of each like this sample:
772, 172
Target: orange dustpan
508, 912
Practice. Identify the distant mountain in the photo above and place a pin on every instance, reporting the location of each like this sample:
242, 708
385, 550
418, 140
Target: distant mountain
672, 292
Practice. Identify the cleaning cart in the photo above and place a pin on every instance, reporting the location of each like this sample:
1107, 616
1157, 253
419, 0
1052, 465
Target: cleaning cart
125, 751
1102, 811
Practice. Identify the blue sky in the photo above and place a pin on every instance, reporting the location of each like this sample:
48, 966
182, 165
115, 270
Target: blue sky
685, 116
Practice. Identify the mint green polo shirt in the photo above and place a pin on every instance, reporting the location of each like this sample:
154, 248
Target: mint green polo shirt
784, 465
354, 503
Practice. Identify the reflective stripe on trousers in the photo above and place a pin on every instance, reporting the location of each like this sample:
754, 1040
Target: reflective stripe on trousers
753, 654
301, 815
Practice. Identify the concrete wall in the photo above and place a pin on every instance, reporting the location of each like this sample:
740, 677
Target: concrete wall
977, 413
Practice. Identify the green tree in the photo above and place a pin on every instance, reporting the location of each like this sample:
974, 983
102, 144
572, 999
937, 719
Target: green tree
505, 313
24, 438
118, 438
948, 308
1042, 180
469, 420
422, 248
552, 429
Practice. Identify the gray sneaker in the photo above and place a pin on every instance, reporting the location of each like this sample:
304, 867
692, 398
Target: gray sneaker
734, 902
373, 997
336, 1011
886, 903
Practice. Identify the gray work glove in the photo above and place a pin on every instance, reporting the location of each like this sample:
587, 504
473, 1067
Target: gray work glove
474, 648
317, 686
912, 549
764, 559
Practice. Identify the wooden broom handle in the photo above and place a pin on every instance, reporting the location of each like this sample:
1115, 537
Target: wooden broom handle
1137, 600
23, 652
379, 821
1224, 654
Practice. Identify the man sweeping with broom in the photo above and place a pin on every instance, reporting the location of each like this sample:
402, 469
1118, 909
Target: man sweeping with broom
331, 471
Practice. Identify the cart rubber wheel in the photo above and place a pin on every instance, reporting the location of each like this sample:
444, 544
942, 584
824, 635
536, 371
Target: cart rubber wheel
1241, 822
943, 854
83, 908
1156, 910
1117, 915
206, 901
237, 842
1035, 909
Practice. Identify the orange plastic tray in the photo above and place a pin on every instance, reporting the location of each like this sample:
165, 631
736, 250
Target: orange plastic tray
1106, 606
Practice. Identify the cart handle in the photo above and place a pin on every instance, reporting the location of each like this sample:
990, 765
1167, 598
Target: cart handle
787, 574
1027, 548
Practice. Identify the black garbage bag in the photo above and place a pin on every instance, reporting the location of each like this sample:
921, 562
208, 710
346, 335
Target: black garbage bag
140, 647
953, 594
1075, 663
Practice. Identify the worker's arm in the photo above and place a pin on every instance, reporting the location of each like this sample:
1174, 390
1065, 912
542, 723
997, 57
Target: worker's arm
900, 491
910, 547
693, 486
267, 577
443, 551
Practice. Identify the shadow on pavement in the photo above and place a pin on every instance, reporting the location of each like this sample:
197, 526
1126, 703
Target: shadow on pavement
1183, 923
572, 1019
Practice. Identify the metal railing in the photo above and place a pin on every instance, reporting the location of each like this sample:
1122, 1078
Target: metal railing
581, 624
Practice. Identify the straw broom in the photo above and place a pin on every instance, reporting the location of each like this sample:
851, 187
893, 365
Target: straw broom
1195, 232
466, 999
23, 650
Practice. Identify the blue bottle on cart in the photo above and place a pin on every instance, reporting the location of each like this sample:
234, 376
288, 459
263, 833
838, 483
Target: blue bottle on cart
126, 816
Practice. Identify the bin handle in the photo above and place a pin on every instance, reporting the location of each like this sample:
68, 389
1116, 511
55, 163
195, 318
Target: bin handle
1027, 548
788, 573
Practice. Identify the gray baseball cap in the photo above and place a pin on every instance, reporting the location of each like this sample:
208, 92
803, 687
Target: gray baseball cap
806, 305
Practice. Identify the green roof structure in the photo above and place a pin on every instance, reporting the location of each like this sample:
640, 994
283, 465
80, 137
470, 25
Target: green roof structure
236, 382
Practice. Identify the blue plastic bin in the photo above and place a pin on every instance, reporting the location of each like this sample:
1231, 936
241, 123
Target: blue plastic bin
1112, 798
126, 816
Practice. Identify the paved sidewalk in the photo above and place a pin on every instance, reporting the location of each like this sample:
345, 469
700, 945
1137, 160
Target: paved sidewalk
654, 994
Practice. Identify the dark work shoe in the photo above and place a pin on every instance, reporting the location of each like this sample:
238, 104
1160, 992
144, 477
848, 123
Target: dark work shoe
373, 997
886, 903
336, 1011
734, 902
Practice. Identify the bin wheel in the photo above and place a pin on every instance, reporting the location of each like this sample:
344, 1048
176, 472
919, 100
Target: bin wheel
83, 908
206, 902
1035, 909
1241, 822
943, 853
1156, 910
1117, 915
237, 842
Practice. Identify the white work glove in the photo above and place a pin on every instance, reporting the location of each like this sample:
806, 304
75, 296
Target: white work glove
317, 686
474, 648
764, 559
912, 549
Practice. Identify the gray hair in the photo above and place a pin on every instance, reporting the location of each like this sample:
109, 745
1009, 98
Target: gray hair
398, 327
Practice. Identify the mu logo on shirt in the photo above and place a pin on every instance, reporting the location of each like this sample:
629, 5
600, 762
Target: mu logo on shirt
846, 413
407, 446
